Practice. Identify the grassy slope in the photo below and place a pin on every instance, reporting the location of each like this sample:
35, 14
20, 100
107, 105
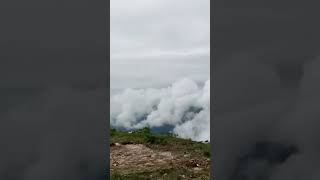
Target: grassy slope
166, 142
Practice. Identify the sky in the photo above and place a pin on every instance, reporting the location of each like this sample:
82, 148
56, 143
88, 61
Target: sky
155, 43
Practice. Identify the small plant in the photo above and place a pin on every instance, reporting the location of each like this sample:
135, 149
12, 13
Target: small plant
206, 153
145, 130
170, 134
153, 139
113, 131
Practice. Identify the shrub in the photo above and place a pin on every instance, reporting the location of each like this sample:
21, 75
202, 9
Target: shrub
113, 131
152, 139
206, 153
145, 130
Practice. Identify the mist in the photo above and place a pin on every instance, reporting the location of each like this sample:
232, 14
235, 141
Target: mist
184, 105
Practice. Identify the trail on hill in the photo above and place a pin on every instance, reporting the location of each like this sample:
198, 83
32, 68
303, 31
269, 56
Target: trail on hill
140, 158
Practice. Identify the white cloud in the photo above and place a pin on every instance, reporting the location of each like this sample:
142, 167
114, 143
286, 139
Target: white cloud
184, 105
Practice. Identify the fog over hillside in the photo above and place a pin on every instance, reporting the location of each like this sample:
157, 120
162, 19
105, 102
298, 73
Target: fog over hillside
159, 66
184, 105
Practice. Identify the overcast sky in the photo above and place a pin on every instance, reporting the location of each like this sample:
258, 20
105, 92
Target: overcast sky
156, 42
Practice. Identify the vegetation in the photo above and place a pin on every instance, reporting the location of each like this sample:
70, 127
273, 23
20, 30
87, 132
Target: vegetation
166, 174
164, 142
168, 140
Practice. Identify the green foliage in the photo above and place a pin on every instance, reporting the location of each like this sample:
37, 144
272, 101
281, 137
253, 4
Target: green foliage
153, 139
143, 136
164, 174
113, 131
167, 141
206, 153
145, 130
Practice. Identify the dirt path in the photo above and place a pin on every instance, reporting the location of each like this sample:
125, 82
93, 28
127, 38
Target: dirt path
140, 158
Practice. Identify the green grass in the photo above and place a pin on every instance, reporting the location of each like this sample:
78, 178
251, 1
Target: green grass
165, 174
167, 141
141, 136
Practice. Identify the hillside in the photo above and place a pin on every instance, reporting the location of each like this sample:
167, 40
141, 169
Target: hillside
142, 155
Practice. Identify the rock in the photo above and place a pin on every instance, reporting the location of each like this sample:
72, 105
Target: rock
148, 164
197, 169
183, 176
193, 163
116, 163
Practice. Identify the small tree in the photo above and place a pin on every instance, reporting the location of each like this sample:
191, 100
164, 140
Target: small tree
145, 130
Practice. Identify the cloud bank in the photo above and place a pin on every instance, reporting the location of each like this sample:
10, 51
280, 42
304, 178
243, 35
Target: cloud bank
184, 105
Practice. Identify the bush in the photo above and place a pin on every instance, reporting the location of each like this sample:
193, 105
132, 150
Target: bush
206, 153
145, 130
152, 139
113, 131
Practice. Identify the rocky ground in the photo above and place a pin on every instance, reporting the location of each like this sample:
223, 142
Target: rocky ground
158, 161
